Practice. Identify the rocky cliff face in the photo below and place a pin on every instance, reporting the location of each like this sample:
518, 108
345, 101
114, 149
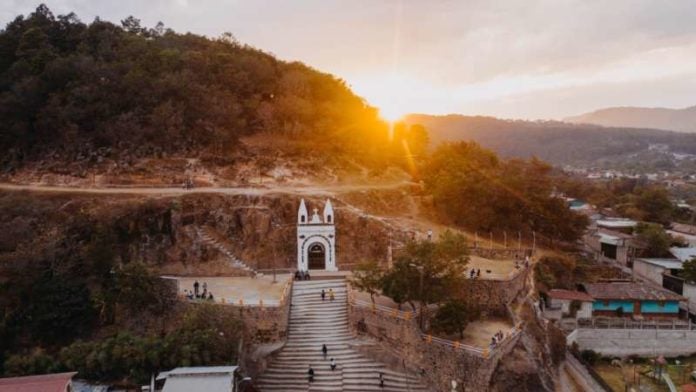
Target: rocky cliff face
261, 230
532, 365
162, 232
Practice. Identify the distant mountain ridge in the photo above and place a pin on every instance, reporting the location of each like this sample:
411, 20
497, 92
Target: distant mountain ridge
557, 142
680, 120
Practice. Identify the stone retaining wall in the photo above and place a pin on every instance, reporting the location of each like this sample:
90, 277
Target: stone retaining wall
494, 295
401, 346
641, 342
266, 333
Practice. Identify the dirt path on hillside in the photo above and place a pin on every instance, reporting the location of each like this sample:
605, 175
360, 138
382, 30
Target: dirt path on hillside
316, 190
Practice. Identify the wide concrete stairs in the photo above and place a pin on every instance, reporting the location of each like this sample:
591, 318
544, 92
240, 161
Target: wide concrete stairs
314, 322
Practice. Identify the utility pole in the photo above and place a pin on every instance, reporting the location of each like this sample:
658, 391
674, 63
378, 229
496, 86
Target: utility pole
421, 296
390, 254
533, 242
420, 292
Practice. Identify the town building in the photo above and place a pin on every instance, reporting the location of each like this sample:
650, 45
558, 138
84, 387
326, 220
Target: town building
612, 246
568, 304
204, 378
58, 382
621, 225
655, 269
631, 299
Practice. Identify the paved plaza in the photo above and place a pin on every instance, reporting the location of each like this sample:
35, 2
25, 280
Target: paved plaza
232, 289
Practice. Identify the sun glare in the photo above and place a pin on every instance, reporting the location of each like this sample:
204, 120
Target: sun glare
391, 114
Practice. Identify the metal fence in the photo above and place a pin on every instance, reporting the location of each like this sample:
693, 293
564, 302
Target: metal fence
599, 323
483, 352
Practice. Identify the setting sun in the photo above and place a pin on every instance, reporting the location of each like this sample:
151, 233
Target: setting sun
391, 113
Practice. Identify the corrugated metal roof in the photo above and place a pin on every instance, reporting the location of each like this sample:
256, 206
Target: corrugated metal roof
664, 263
570, 295
204, 383
683, 254
40, 383
617, 223
629, 291
200, 378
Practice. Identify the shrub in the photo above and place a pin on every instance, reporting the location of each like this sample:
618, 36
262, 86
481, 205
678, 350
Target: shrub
590, 356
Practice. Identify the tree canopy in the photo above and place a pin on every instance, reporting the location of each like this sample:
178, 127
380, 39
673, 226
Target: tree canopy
428, 272
474, 189
68, 88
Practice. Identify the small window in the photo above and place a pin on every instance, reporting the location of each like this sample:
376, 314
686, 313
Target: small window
302, 219
328, 218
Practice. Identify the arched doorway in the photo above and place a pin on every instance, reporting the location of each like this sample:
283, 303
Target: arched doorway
316, 256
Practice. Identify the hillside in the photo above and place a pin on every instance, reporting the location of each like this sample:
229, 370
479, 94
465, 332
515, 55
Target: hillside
681, 120
143, 104
557, 142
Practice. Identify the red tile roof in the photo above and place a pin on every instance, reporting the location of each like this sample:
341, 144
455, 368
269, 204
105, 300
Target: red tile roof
570, 295
630, 290
57, 382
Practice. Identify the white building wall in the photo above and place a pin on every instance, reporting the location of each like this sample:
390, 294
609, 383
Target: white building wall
314, 229
690, 294
585, 310
648, 271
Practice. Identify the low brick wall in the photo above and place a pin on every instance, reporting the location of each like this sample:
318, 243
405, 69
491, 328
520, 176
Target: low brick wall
401, 346
501, 253
641, 342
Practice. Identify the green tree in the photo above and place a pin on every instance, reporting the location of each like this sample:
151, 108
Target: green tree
688, 271
453, 317
655, 205
432, 271
656, 240
474, 189
139, 289
58, 309
367, 277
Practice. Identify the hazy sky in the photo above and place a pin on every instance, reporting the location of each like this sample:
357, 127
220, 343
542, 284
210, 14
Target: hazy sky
516, 59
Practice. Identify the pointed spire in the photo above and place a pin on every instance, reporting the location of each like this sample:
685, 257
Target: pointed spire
302, 213
328, 212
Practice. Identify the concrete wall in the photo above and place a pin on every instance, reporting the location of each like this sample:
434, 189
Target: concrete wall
564, 304
690, 293
641, 342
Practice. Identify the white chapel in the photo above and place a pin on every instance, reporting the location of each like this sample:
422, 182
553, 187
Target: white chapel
316, 239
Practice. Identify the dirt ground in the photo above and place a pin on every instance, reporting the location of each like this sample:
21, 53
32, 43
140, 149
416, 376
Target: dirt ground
251, 290
479, 333
491, 269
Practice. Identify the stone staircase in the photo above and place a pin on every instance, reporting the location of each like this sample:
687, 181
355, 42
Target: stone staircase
207, 239
314, 322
